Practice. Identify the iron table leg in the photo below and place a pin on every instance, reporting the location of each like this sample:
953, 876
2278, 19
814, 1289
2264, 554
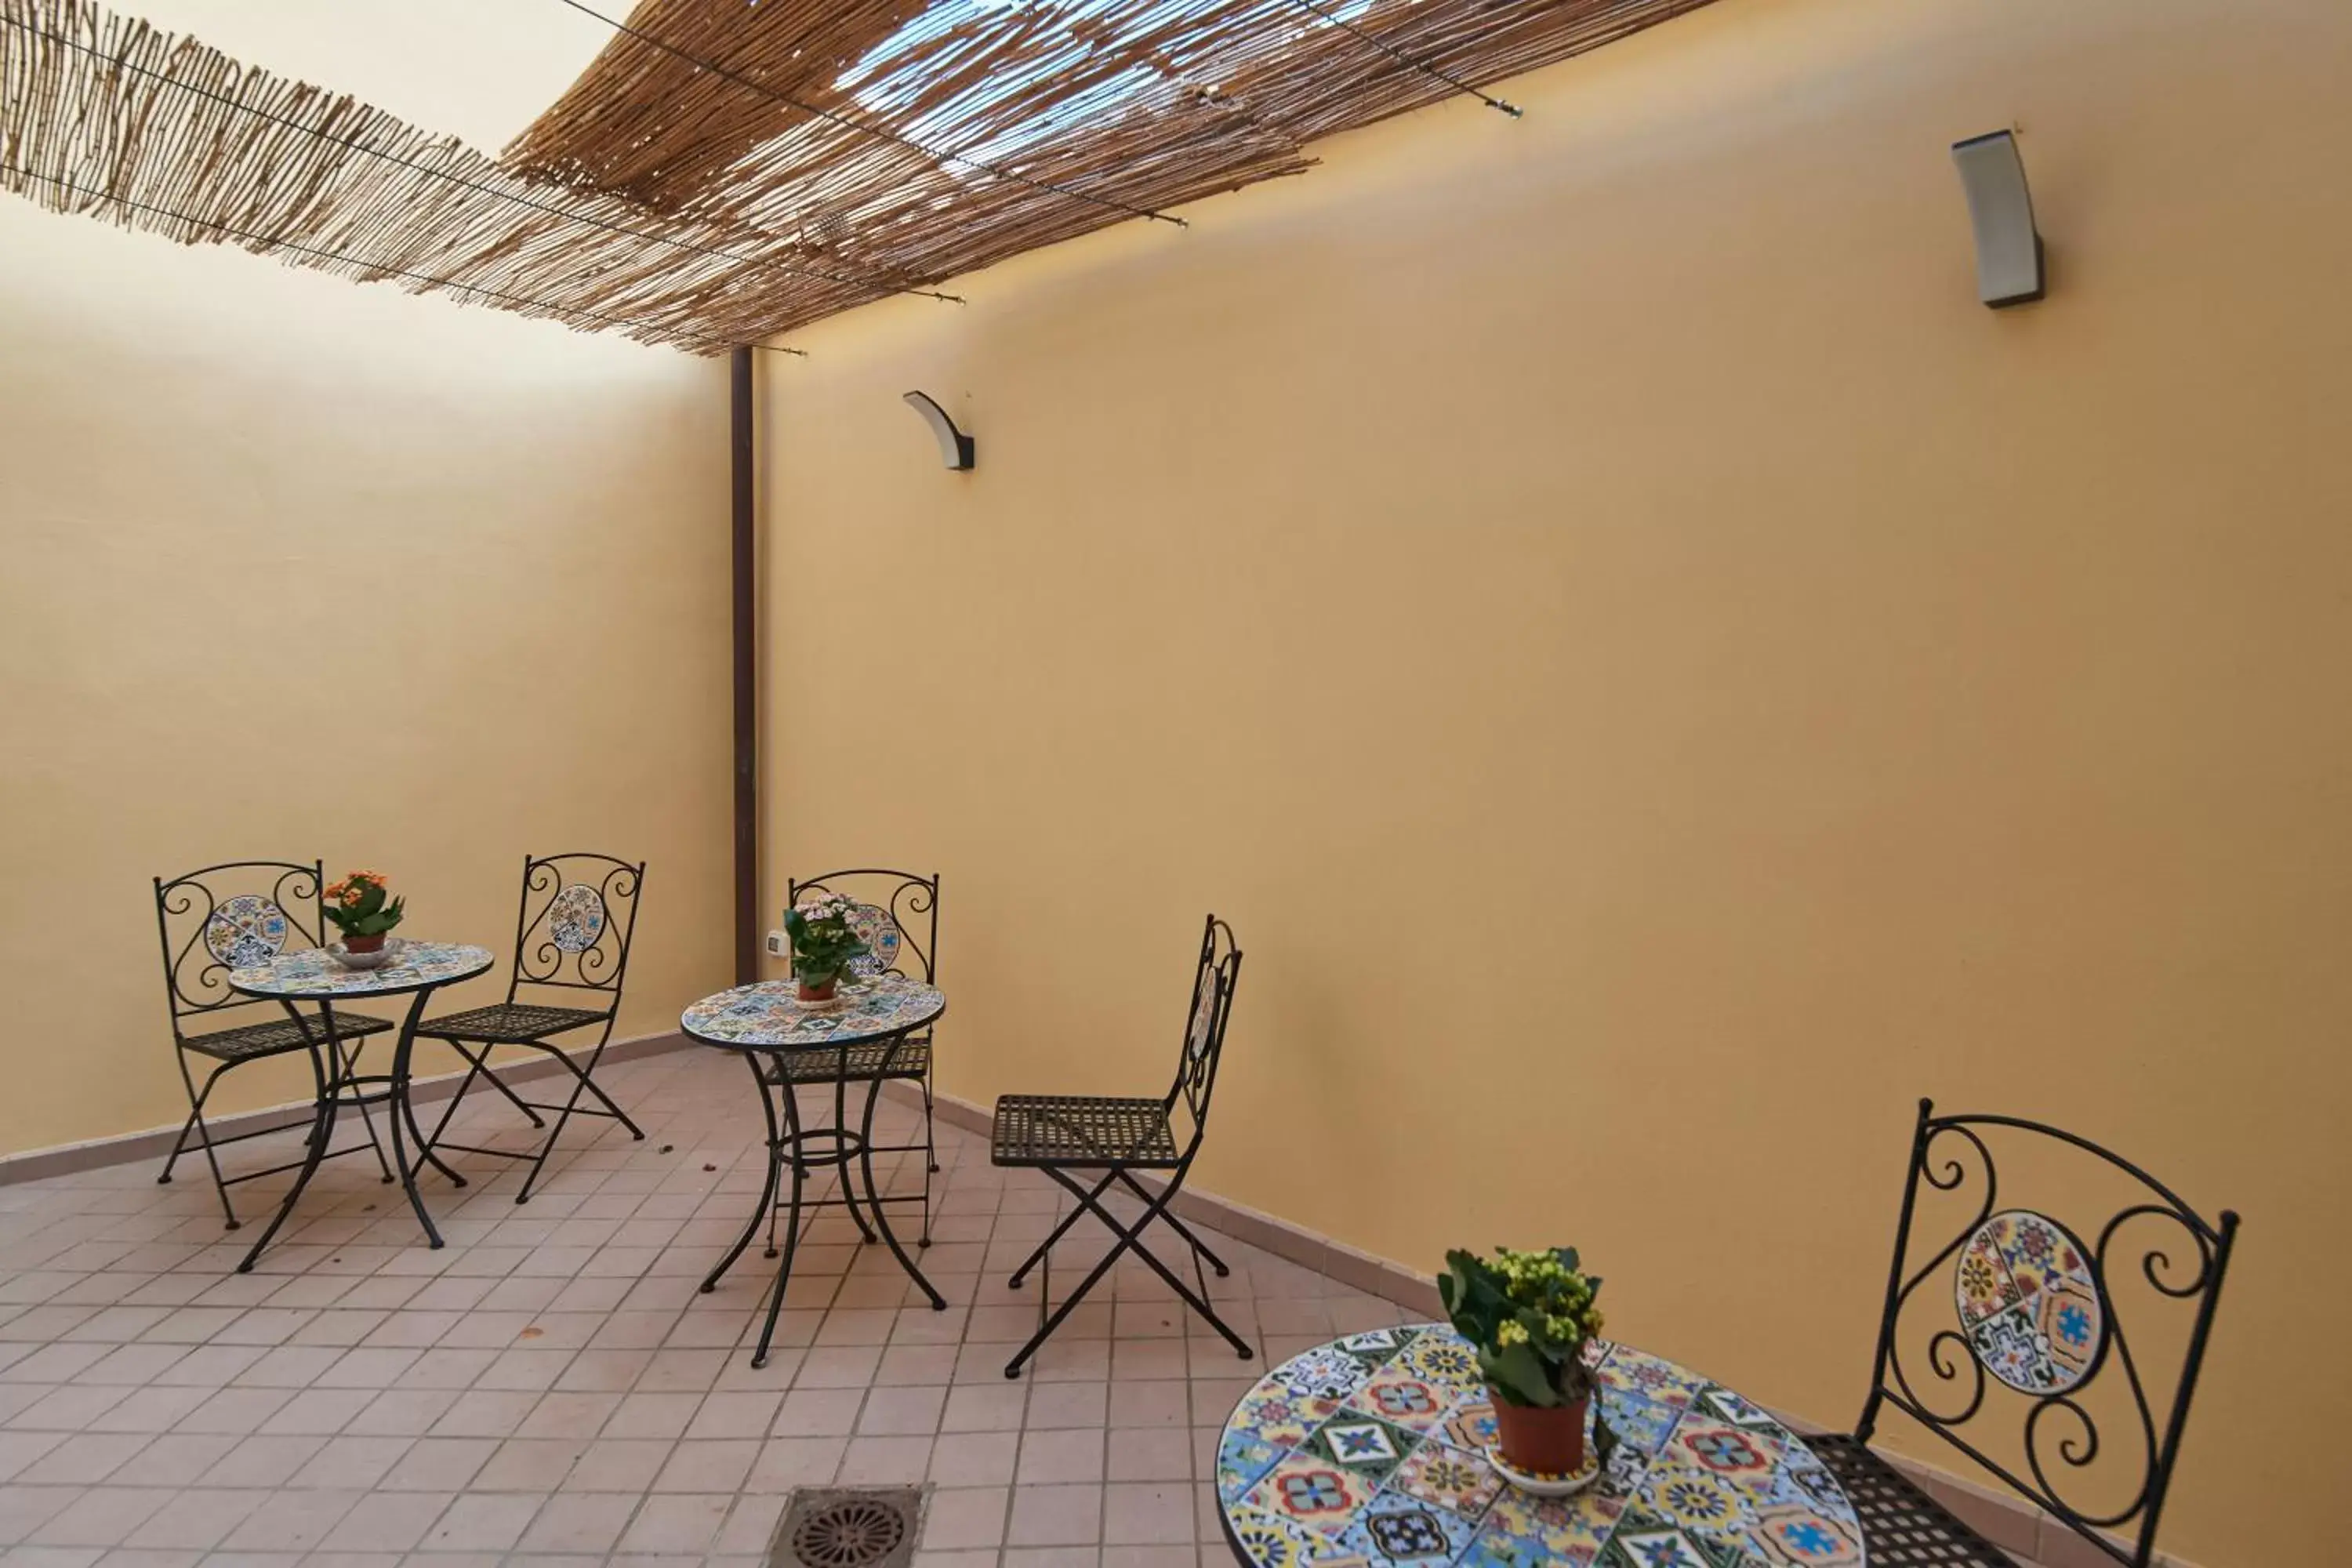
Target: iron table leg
330, 1080
874, 1196
400, 1112
767, 1192
792, 1226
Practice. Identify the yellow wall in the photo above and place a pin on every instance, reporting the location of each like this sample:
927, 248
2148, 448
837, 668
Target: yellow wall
296, 568
1657, 675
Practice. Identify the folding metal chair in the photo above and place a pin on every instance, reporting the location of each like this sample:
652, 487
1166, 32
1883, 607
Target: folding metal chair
896, 913
232, 916
1063, 1135
572, 935
1997, 1344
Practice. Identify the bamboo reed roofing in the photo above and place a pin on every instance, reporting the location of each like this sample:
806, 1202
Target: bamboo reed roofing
727, 170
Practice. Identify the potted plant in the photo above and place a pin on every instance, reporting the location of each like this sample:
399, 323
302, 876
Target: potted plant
360, 912
1530, 1316
824, 946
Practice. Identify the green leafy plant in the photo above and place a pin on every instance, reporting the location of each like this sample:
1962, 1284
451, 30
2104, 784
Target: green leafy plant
824, 946
1530, 1316
358, 906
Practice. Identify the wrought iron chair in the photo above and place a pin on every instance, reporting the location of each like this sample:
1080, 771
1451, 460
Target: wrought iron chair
232, 916
572, 935
1061, 1134
896, 913
2013, 1297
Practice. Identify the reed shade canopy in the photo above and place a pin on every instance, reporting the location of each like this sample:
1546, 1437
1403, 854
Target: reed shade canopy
727, 170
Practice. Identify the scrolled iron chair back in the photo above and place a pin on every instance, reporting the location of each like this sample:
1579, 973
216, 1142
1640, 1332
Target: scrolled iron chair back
230, 916
579, 911
1214, 980
2030, 1325
897, 912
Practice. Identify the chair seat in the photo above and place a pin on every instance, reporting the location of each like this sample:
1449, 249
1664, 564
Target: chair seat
1058, 1130
860, 1063
277, 1035
508, 1023
1902, 1527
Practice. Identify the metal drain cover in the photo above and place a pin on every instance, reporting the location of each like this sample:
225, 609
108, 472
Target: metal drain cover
853, 1527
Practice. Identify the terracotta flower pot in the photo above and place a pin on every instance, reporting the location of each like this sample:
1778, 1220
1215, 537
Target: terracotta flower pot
823, 993
1548, 1442
364, 943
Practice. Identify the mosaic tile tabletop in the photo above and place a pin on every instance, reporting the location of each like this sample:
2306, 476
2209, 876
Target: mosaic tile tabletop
315, 973
1369, 1452
770, 1016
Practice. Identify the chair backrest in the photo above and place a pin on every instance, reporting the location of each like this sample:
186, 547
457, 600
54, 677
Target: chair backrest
579, 911
2016, 1319
1213, 978
232, 916
896, 913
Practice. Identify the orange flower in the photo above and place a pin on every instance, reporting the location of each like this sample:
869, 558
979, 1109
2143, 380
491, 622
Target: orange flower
335, 890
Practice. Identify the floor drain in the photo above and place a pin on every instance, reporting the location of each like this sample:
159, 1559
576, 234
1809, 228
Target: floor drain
855, 1528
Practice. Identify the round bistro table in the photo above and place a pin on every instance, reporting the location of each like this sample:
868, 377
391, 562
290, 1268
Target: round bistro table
417, 970
868, 1022
1371, 1450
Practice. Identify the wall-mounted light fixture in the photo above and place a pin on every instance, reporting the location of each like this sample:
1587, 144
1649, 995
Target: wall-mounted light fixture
957, 448
2009, 248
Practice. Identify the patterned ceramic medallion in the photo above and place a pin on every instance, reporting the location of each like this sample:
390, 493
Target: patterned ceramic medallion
1370, 1447
1636, 1372
1326, 1372
1374, 1346
1451, 1477
1651, 1547
1444, 1362
1397, 1395
1272, 1540
1471, 1425
872, 925
575, 918
2028, 1304
1282, 1413
1698, 1501
1312, 1492
1744, 1458
1243, 1459
1369, 1452
1793, 1534
1204, 1017
245, 931
1407, 1532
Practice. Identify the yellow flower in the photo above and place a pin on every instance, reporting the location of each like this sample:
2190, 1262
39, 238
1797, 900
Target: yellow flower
1511, 1333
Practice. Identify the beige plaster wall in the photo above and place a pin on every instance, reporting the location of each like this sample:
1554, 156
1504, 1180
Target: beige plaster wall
1657, 675
296, 568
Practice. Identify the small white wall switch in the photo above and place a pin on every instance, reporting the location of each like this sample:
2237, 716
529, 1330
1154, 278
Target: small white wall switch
776, 943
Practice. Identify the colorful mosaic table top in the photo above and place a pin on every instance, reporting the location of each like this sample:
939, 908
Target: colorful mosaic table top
1369, 1452
315, 973
771, 1016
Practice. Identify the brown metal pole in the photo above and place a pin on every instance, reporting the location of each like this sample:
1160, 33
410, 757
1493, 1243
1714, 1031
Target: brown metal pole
747, 723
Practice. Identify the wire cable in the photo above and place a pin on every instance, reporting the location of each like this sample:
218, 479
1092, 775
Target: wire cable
1456, 83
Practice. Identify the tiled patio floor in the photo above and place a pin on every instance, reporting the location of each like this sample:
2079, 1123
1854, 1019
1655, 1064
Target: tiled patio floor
552, 1387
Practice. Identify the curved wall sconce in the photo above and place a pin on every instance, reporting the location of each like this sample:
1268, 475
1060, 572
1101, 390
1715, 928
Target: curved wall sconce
2000, 210
957, 450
